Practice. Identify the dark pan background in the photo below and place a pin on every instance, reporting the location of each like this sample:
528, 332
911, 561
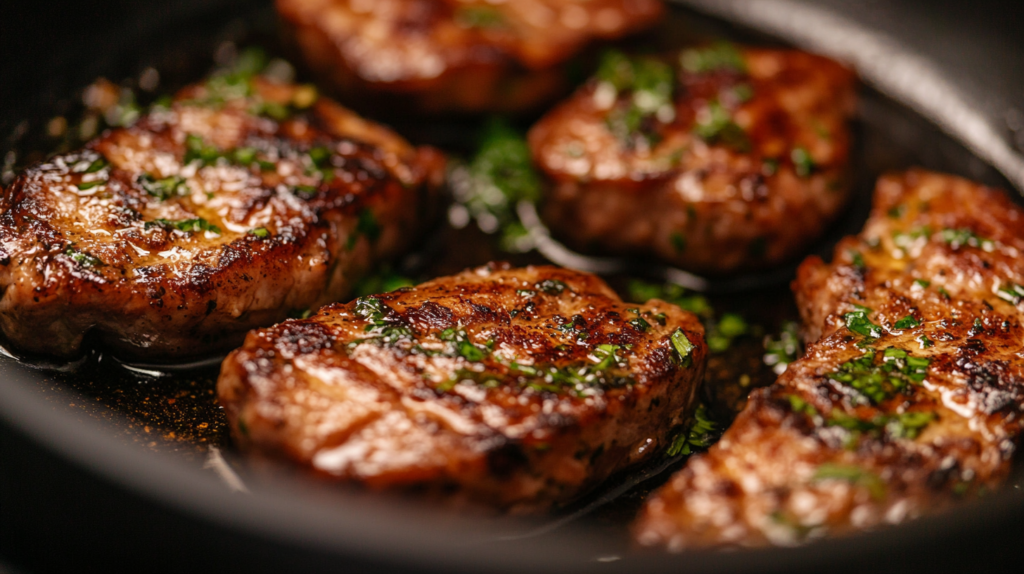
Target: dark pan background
56, 516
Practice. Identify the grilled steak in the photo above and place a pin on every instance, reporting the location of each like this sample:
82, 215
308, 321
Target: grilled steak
240, 201
911, 398
499, 387
455, 55
715, 159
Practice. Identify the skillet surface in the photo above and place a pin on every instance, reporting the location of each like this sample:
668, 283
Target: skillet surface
82, 476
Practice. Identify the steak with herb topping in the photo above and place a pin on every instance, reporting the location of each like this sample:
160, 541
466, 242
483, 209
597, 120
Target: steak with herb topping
911, 397
500, 387
461, 56
716, 159
240, 201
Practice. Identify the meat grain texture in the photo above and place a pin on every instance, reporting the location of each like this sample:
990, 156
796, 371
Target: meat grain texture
714, 159
459, 56
239, 202
503, 388
910, 395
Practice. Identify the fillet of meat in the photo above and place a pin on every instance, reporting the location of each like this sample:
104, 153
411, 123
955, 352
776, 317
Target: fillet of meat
462, 56
240, 201
714, 159
911, 398
497, 387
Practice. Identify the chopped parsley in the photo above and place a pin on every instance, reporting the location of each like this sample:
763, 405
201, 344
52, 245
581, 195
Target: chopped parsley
489, 187
716, 126
384, 327
643, 291
700, 434
89, 184
550, 286
781, 351
803, 163
720, 56
683, 346
1011, 293
260, 232
649, 83
367, 226
165, 188
194, 225
479, 17
957, 238
82, 258
854, 475
858, 322
878, 382
908, 322
721, 333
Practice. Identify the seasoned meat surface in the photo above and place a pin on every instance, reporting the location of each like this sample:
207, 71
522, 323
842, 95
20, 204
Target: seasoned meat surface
715, 159
239, 202
911, 397
464, 56
497, 387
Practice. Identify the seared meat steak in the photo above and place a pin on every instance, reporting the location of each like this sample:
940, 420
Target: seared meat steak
463, 56
912, 397
239, 202
509, 388
716, 159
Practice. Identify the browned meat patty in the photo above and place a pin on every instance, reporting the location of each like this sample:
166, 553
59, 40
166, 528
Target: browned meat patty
716, 159
242, 200
912, 397
460, 56
500, 387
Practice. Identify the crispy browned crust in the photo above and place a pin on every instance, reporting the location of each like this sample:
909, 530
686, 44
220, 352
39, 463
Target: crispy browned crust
402, 415
77, 261
433, 56
705, 207
790, 467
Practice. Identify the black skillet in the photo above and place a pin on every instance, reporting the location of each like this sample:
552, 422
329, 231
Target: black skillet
82, 487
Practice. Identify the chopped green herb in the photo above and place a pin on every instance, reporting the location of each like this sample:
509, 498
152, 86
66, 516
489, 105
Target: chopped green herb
896, 211
260, 232
166, 188
550, 286
89, 184
643, 291
803, 163
479, 17
187, 225
858, 260
384, 328
909, 425
925, 341
97, 165
716, 57
197, 150
640, 324
957, 238
366, 226
383, 281
908, 322
82, 258
700, 434
923, 284
854, 475
858, 322
649, 83
716, 126
1011, 293
683, 347
878, 382
721, 333
781, 351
